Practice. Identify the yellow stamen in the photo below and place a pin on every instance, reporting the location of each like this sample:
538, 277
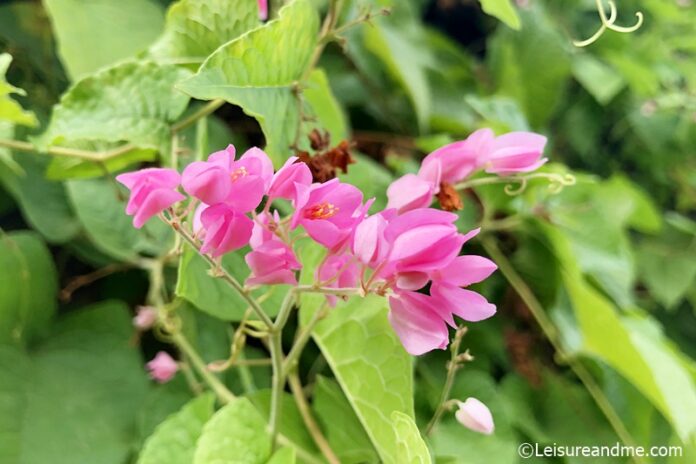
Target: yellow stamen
323, 210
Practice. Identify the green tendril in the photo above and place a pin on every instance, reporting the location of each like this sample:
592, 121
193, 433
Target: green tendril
608, 23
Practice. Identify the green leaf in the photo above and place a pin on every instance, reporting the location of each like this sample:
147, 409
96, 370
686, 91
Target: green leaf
340, 424
411, 449
111, 33
102, 213
74, 398
597, 77
10, 110
503, 10
74, 168
324, 107
28, 287
194, 29
632, 345
284, 455
44, 204
517, 58
132, 102
667, 264
258, 72
174, 440
398, 46
364, 353
215, 296
236, 433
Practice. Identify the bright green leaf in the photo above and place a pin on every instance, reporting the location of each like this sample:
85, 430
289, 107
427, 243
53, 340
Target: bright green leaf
28, 287
132, 102
259, 70
10, 110
411, 449
285, 455
503, 10
98, 33
236, 433
174, 440
194, 29
215, 296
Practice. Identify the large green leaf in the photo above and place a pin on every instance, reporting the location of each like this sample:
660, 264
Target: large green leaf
98, 33
28, 287
503, 10
215, 296
236, 433
284, 455
369, 362
194, 29
10, 110
632, 345
174, 440
44, 204
102, 213
74, 398
411, 449
341, 426
517, 58
258, 72
132, 102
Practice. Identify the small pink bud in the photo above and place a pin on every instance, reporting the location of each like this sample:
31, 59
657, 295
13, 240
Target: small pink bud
263, 10
475, 416
162, 367
145, 318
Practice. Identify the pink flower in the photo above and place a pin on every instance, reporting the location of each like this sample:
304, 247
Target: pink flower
512, 153
455, 161
263, 10
461, 272
271, 260
242, 183
369, 244
475, 416
329, 212
417, 323
152, 191
338, 271
225, 229
145, 317
411, 192
283, 184
162, 367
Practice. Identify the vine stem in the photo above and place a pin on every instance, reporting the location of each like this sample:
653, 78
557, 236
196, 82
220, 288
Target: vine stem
303, 338
221, 273
309, 421
86, 155
276, 349
551, 334
453, 365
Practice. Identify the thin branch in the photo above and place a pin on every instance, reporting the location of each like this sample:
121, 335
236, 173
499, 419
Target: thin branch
87, 279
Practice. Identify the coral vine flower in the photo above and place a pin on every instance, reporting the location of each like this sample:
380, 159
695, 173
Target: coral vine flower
152, 191
410, 192
162, 367
225, 229
475, 416
145, 317
329, 212
338, 271
513, 153
292, 172
263, 10
417, 323
241, 184
272, 261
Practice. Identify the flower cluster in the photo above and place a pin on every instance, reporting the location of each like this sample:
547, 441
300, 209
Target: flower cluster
398, 252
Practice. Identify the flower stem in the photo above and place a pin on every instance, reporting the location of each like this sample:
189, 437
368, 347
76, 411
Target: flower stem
302, 339
549, 330
276, 349
309, 421
453, 366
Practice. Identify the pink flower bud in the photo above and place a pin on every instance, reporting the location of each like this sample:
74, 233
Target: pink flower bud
263, 10
513, 153
283, 184
475, 416
162, 367
145, 318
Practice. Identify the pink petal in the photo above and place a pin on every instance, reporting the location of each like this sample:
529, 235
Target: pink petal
156, 202
409, 192
419, 328
466, 304
466, 270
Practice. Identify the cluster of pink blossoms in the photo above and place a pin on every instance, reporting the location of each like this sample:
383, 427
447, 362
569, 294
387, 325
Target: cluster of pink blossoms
397, 252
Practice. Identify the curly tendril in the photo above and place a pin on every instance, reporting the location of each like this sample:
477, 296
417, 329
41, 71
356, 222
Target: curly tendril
557, 182
608, 23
